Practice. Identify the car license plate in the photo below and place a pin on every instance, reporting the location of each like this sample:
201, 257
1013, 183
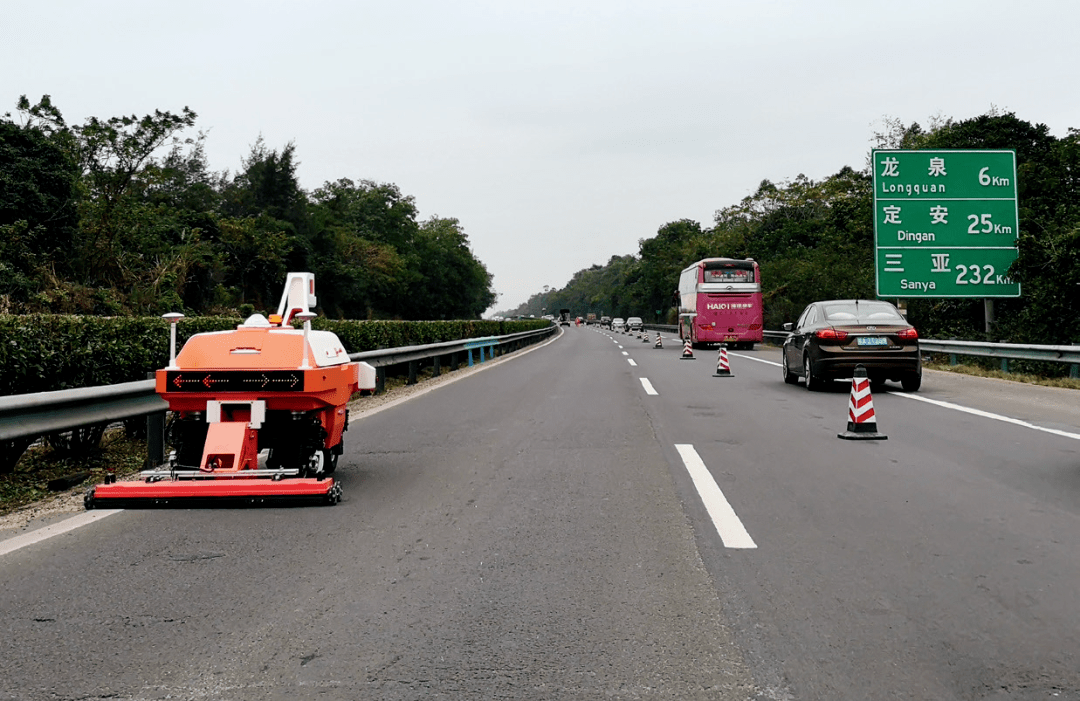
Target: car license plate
872, 341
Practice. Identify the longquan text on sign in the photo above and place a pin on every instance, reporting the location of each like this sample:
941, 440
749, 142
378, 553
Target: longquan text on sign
945, 223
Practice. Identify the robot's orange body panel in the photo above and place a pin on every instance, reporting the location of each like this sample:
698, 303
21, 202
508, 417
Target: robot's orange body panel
263, 364
261, 388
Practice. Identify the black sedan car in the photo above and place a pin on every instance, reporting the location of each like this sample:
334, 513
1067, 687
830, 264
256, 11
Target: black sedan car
831, 338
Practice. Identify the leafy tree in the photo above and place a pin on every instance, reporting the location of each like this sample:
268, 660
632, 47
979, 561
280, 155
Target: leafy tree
663, 258
363, 234
123, 215
121, 247
267, 187
452, 283
115, 220
38, 206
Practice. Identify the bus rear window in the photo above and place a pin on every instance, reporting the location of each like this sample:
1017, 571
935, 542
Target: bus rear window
728, 275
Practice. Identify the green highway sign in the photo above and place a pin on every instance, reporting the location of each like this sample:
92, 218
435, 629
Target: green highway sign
945, 223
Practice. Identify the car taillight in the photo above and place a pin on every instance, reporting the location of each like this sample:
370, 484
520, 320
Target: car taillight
831, 334
908, 335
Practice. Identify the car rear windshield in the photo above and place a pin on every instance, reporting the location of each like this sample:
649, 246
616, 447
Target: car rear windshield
863, 311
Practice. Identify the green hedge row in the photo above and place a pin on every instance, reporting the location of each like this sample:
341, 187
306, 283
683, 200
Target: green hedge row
40, 352
360, 336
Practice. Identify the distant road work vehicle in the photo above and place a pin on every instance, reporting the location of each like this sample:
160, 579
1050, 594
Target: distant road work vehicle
720, 302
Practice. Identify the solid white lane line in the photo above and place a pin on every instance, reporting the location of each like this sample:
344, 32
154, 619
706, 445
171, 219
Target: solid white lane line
70, 524
631, 361
987, 415
727, 523
750, 357
957, 407
648, 386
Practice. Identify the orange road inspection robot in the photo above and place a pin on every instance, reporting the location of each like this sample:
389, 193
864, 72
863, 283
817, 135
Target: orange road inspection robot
264, 388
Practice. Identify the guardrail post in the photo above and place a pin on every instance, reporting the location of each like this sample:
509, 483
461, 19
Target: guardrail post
481, 354
1004, 364
1074, 371
413, 367
436, 367
953, 360
155, 436
380, 380
470, 357
155, 439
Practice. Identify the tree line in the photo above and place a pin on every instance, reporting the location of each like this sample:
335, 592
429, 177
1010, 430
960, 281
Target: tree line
814, 240
123, 216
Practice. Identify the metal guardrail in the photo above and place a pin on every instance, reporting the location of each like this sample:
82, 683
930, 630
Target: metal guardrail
1004, 351
413, 355
41, 413
24, 417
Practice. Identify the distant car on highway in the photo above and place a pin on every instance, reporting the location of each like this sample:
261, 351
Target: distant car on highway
634, 323
605, 321
832, 337
617, 324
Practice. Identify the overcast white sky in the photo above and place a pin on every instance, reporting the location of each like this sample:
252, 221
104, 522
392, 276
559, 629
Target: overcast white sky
558, 132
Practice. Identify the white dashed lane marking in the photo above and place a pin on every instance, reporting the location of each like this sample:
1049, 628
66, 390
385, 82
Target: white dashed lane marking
727, 523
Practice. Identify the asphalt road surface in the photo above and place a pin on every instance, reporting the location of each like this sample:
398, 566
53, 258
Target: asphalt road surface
591, 521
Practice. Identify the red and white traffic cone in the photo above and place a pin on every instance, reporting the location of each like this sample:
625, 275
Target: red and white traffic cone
723, 367
862, 423
644, 336
659, 343
687, 351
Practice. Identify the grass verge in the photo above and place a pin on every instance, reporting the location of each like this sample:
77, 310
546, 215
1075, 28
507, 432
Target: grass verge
28, 484
976, 371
